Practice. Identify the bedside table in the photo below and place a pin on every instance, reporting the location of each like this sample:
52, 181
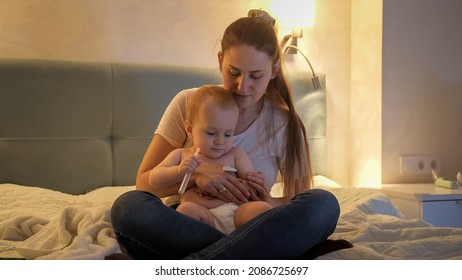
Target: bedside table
437, 206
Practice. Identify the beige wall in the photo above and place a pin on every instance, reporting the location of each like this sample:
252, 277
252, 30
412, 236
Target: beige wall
366, 93
421, 64
176, 32
171, 32
422, 85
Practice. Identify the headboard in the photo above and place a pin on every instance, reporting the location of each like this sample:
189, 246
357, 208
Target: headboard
73, 126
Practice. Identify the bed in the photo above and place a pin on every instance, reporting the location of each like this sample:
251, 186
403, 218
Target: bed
73, 134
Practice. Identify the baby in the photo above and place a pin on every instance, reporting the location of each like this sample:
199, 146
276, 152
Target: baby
211, 118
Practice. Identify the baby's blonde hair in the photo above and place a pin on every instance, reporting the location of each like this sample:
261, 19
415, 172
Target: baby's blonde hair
219, 95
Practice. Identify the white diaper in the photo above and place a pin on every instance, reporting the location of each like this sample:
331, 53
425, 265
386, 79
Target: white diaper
224, 217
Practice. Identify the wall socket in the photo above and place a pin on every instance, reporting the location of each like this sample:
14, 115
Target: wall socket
420, 164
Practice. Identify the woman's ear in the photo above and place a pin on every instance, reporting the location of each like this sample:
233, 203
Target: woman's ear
188, 128
275, 70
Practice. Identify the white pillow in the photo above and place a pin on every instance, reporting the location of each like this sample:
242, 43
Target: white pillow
324, 182
319, 181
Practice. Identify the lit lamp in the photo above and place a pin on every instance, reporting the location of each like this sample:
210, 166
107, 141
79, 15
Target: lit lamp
292, 16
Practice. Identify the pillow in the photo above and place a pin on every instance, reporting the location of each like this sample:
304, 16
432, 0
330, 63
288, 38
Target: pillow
324, 182
319, 182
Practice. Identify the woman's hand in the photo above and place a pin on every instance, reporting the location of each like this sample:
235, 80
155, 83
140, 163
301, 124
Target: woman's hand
260, 190
213, 181
258, 184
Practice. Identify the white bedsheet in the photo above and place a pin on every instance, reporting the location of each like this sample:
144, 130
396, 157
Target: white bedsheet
37, 223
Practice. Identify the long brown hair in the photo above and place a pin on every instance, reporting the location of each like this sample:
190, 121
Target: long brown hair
257, 30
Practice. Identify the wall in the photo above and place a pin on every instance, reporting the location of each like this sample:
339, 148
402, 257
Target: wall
328, 44
421, 77
422, 85
366, 93
178, 32
170, 32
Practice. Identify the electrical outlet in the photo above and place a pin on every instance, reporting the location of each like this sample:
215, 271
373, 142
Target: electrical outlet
420, 164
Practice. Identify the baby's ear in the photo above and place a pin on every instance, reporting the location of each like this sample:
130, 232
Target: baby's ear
220, 59
188, 127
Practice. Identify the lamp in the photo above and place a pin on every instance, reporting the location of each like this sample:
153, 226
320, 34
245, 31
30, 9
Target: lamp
292, 16
314, 79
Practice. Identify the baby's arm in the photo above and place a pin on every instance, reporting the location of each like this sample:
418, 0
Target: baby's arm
172, 169
242, 163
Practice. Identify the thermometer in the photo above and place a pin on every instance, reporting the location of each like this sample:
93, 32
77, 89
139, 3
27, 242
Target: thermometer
187, 176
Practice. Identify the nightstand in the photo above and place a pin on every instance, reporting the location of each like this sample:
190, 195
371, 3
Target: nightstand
437, 206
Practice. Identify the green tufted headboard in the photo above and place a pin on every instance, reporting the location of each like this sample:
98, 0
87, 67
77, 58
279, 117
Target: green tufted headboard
72, 126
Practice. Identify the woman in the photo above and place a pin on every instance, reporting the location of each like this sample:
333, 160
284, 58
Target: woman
270, 132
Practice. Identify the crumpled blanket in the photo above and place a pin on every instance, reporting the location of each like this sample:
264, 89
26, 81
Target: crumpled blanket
74, 233
37, 223
378, 231
45, 224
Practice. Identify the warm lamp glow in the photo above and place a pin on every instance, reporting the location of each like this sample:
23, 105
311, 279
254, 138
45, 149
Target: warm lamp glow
293, 14
370, 174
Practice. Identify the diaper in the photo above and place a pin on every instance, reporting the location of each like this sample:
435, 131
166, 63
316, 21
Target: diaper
224, 217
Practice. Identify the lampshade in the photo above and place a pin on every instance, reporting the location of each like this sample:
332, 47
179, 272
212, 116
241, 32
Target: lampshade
293, 13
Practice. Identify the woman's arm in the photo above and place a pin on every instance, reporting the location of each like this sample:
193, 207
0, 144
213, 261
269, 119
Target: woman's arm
245, 167
210, 178
156, 152
256, 180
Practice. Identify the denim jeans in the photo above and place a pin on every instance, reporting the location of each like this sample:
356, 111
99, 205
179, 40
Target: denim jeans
150, 230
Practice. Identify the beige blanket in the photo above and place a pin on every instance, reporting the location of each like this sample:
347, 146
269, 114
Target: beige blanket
43, 224
75, 233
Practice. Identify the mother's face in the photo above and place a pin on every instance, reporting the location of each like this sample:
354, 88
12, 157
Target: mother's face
246, 73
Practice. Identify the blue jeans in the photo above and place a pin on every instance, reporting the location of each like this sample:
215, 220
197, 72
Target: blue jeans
150, 230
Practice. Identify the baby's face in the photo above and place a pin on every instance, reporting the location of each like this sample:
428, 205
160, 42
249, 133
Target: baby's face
213, 130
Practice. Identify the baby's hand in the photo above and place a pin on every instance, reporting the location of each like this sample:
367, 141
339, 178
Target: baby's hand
188, 164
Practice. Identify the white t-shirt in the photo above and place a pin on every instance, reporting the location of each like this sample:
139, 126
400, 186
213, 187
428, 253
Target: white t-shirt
266, 149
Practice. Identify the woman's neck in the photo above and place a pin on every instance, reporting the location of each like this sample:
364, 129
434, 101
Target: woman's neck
247, 116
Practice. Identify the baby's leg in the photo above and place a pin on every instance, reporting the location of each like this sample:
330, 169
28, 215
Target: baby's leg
197, 212
249, 210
